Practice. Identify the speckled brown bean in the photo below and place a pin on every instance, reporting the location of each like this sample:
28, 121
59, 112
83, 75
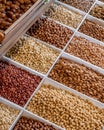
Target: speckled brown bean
51, 32
92, 29
16, 84
31, 124
79, 77
98, 11
84, 5
64, 15
87, 50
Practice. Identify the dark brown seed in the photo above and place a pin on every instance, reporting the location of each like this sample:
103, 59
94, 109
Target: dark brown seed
10, 7
31, 124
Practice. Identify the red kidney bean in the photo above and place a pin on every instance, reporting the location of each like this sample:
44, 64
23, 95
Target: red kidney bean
16, 84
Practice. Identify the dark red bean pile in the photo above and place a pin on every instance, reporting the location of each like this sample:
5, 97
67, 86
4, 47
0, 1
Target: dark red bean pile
51, 32
30, 124
16, 84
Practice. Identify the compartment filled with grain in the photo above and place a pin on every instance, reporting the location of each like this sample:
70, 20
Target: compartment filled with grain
64, 15
98, 11
31, 124
11, 10
16, 85
66, 109
87, 50
83, 5
79, 77
51, 32
92, 29
34, 54
7, 116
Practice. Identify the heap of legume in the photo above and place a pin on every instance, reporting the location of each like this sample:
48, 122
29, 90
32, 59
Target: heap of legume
92, 29
84, 5
33, 54
87, 50
64, 15
66, 109
16, 85
11, 10
7, 116
25, 123
51, 32
79, 77
98, 11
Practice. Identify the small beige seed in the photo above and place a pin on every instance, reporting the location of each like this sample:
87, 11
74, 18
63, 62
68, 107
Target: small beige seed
64, 15
33, 54
7, 116
66, 109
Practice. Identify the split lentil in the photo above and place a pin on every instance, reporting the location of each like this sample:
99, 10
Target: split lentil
7, 116
16, 85
64, 15
98, 11
66, 109
87, 50
33, 54
92, 29
79, 77
84, 5
50, 32
31, 124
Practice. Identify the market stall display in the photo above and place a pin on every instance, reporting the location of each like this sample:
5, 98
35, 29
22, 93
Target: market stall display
51, 65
